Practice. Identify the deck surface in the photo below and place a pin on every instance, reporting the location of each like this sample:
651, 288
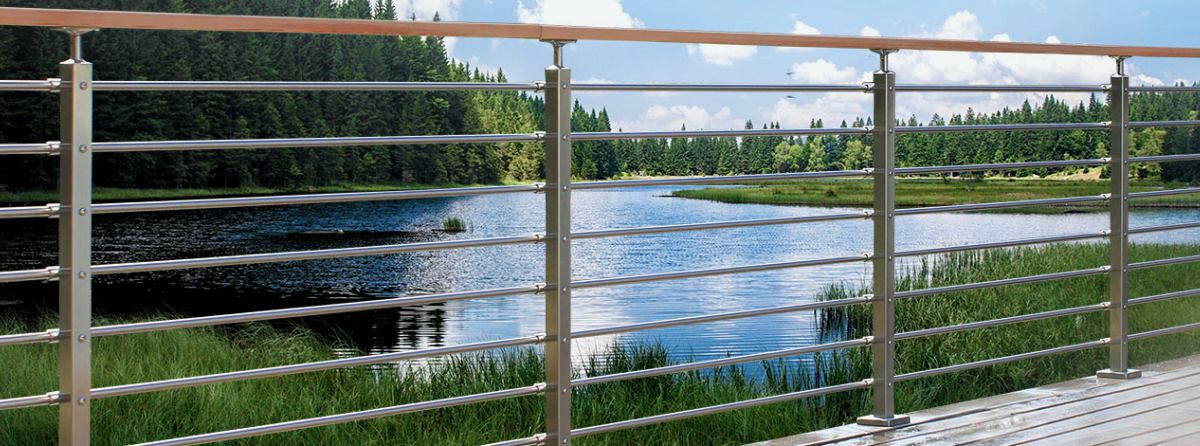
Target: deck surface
1161, 408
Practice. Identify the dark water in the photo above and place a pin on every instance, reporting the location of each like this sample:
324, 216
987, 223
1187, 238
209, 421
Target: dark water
149, 236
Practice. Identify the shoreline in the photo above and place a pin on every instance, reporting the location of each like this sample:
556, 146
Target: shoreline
107, 194
816, 193
936, 192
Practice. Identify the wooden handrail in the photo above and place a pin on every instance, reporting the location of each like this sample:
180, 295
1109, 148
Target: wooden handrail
63, 18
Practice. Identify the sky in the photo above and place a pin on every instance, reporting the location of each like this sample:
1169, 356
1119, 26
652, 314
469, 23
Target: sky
1127, 22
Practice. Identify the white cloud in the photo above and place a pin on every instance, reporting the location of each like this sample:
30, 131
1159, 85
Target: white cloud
424, 9
822, 71
803, 29
937, 67
609, 13
962, 25
832, 108
868, 31
1142, 79
934, 67
665, 118
478, 64
722, 54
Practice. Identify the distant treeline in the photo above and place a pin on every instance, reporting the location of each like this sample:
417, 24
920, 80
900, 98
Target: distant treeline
779, 154
28, 53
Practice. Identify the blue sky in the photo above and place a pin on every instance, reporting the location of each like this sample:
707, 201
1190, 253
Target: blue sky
1163, 22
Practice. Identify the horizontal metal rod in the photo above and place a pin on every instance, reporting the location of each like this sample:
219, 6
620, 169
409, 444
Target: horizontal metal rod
312, 310
311, 86
42, 337
1165, 193
280, 143
721, 179
327, 420
1164, 262
1165, 158
1002, 127
1145, 229
527, 441
38, 85
655, 419
656, 277
1147, 124
1165, 331
721, 317
1165, 296
40, 148
292, 369
712, 363
1004, 88
1004, 244
31, 401
45, 211
1001, 205
1001, 360
999, 166
273, 257
604, 136
716, 225
292, 256
721, 87
1003, 282
1002, 321
29, 275
1164, 88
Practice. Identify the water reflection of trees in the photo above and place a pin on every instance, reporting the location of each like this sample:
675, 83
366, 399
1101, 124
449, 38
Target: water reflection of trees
373, 331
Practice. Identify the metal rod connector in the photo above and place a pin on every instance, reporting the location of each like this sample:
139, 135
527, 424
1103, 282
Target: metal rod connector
883, 58
77, 42
558, 47
1120, 64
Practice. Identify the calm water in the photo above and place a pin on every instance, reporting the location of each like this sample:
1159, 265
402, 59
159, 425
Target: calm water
139, 237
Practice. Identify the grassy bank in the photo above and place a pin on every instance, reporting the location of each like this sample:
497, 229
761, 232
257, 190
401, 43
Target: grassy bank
120, 193
991, 303
133, 358
923, 192
125, 420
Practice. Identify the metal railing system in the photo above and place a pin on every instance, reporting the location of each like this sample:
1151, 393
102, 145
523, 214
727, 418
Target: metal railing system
75, 332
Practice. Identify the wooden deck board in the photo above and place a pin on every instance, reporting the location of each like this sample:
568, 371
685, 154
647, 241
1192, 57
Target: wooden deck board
1162, 407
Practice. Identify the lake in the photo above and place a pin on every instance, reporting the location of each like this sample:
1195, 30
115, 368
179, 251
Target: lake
149, 236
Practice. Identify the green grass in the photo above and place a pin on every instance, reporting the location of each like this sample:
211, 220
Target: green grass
118, 193
919, 192
454, 224
133, 358
991, 303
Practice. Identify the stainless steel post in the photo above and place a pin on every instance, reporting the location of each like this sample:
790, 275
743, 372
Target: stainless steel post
558, 250
1118, 274
883, 320
75, 247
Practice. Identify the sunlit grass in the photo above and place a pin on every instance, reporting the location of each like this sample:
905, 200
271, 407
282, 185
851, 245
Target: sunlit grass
921, 192
992, 303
